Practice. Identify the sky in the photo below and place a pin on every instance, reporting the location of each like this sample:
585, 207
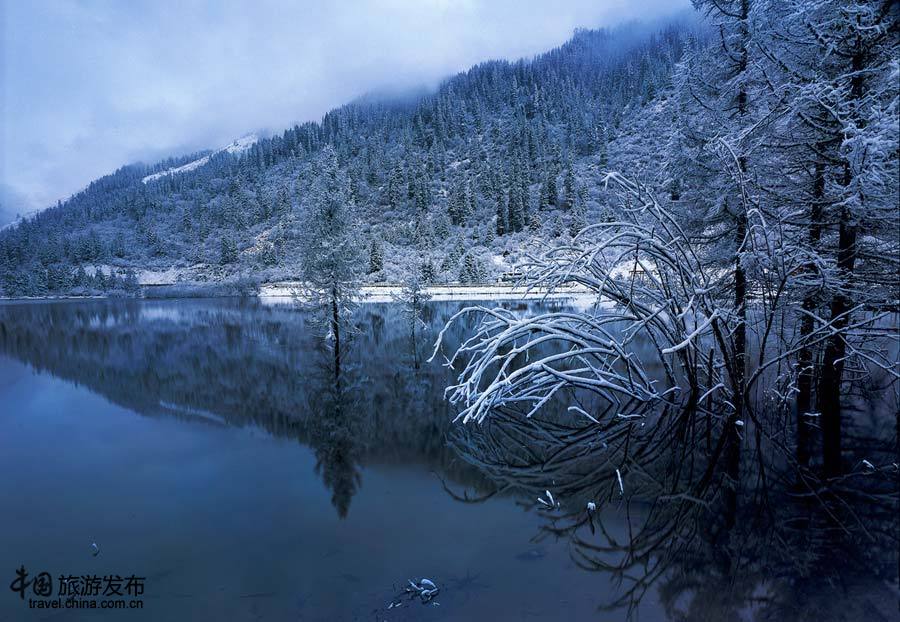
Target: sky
88, 86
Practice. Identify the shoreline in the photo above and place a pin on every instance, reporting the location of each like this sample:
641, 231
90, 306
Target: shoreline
283, 293
279, 293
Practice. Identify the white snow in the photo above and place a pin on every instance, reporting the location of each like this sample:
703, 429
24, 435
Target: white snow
500, 262
241, 144
159, 277
280, 293
19, 219
190, 166
94, 269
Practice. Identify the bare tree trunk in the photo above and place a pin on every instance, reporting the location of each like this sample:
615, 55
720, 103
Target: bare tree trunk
415, 345
733, 447
805, 356
740, 331
829, 390
709, 401
336, 331
733, 442
804, 386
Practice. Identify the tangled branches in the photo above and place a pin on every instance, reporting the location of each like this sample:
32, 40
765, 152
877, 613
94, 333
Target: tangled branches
655, 305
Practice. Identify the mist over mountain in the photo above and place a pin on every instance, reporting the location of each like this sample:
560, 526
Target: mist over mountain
454, 182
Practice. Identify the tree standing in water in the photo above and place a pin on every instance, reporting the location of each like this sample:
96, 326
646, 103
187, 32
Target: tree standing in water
331, 251
412, 300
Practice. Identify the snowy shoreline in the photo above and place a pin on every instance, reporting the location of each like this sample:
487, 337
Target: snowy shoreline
276, 293
284, 293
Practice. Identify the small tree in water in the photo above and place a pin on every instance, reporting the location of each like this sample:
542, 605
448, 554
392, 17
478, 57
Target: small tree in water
330, 250
412, 298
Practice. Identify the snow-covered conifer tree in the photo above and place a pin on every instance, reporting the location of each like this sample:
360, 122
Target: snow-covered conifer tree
331, 254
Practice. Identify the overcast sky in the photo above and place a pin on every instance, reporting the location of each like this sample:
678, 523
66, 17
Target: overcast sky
89, 85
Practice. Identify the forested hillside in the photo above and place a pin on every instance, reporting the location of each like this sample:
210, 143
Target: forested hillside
777, 121
453, 184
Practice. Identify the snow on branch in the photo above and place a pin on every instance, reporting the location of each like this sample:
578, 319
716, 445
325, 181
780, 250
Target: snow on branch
651, 289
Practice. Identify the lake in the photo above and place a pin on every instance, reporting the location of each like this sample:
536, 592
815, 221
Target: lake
201, 447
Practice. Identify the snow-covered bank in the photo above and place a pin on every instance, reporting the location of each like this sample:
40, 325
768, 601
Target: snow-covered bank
284, 293
280, 293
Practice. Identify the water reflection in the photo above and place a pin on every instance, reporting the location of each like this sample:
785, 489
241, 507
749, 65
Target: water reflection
708, 542
247, 364
337, 429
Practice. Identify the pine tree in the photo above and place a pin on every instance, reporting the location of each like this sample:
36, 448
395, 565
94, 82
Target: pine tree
470, 272
502, 215
852, 104
569, 187
186, 221
578, 213
412, 300
453, 207
488, 234
376, 257
395, 187
458, 204
228, 252
331, 258
268, 255
130, 282
282, 203
602, 152
550, 193
516, 209
427, 272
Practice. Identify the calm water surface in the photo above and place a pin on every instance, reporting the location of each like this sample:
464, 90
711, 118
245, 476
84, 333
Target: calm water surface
199, 444
207, 446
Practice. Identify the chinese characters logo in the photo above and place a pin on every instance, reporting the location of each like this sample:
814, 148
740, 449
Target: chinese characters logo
79, 591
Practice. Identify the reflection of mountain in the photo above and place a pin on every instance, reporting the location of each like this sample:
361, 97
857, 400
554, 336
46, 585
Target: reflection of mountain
768, 551
244, 364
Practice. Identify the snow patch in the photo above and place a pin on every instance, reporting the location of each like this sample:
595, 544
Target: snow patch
190, 166
241, 144
283, 293
159, 277
19, 219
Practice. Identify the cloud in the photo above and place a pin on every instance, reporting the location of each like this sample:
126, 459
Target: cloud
12, 204
90, 86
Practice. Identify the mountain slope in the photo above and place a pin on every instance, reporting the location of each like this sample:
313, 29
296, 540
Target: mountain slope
238, 146
456, 181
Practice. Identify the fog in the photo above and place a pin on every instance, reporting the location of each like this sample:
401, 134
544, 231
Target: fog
86, 87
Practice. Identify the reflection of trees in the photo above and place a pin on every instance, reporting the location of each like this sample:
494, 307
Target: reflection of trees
708, 547
786, 541
244, 364
336, 425
337, 438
